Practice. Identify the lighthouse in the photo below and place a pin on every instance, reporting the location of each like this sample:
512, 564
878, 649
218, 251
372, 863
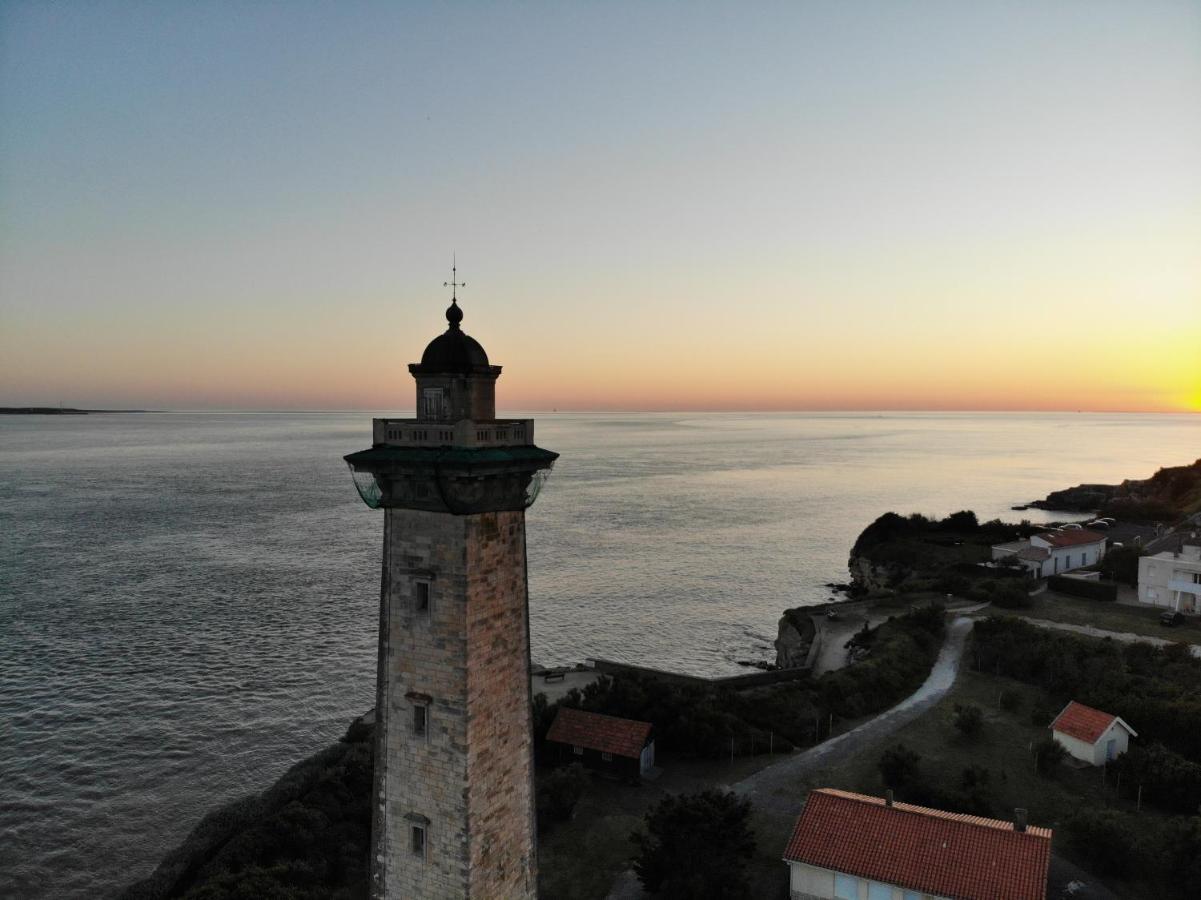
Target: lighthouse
453, 796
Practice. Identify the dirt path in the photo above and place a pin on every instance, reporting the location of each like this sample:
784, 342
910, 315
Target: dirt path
775, 785
1126, 637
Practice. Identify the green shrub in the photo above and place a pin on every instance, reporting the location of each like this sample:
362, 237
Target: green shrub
695, 846
1048, 754
969, 720
1080, 587
899, 766
558, 792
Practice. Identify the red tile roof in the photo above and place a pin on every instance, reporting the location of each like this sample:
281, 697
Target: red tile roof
608, 734
927, 850
1072, 538
1084, 722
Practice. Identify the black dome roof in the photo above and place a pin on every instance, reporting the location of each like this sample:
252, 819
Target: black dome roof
454, 351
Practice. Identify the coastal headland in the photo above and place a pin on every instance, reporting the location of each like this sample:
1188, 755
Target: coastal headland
862, 658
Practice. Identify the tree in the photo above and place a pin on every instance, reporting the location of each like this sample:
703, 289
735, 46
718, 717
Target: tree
899, 766
1048, 754
969, 720
558, 792
1121, 564
695, 846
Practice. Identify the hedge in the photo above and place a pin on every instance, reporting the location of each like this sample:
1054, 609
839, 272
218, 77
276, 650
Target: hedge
1080, 587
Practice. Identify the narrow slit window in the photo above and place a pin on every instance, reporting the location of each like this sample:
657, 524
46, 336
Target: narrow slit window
420, 720
417, 840
421, 598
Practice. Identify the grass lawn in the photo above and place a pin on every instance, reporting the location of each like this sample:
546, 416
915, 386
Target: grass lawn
1110, 616
579, 860
1003, 748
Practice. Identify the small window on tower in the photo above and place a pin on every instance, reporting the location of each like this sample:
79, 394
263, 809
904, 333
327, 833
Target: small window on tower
421, 598
420, 720
431, 403
417, 840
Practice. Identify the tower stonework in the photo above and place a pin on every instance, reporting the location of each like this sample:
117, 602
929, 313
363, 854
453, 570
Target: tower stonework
453, 794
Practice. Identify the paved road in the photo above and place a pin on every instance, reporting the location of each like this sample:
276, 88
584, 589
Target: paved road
1126, 637
774, 786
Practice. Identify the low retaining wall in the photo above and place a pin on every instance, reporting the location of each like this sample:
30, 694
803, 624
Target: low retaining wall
737, 682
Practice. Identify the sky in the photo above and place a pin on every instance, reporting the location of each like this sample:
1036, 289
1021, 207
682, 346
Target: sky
676, 206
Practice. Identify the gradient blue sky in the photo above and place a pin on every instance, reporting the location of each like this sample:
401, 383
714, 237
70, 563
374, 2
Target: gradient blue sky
796, 205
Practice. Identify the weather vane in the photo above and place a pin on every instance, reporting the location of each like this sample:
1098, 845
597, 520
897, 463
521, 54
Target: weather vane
454, 284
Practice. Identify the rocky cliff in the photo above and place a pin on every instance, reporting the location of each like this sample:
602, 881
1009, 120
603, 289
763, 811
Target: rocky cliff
794, 637
1168, 495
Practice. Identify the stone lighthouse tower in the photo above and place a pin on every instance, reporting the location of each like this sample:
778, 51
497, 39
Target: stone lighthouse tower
453, 797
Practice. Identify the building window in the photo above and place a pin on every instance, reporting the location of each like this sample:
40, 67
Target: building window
607, 757
431, 403
421, 716
878, 891
578, 751
421, 598
846, 887
911, 895
417, 840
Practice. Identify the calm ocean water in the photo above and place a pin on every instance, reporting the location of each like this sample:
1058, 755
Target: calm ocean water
188, 602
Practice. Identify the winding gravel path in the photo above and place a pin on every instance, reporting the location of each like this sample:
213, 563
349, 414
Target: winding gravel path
770, 787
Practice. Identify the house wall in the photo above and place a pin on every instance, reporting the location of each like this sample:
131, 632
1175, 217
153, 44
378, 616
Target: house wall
1094, 754
621, 766
1061, 559
1076, 748
808, 882
1065, 559
1156, 576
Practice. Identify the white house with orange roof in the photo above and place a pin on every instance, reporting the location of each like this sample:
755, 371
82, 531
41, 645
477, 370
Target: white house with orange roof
849, 846
1090, 735
1055, 552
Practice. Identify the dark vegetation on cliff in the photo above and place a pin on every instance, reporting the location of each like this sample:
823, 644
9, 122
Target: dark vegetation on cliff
694, 721
909, 554
1153, 689
1168, 495
306, 837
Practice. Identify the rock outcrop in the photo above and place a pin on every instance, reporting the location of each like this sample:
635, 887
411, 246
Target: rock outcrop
1169, 494
795, 636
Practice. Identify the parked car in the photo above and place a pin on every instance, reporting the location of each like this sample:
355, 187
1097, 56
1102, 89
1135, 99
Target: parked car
1171, 618
1071, 526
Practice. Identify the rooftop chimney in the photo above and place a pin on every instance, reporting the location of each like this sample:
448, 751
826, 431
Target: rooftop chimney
1019, 819
888, 797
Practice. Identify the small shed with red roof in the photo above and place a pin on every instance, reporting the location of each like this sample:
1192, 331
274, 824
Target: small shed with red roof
1090, 735
622, 747
852, 846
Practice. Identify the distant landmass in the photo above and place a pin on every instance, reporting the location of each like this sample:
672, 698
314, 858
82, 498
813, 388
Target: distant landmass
60, 411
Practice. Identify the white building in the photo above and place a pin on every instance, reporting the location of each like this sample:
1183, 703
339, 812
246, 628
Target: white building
853, 847
1172, 580
1055, 552
1090, 735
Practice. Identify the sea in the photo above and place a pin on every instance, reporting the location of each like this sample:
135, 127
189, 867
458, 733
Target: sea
189, 601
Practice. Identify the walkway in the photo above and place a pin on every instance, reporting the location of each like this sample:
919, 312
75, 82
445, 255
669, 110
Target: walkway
774, 786
1125, 637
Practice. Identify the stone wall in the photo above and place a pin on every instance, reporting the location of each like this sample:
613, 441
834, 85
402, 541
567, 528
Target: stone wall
467, 660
